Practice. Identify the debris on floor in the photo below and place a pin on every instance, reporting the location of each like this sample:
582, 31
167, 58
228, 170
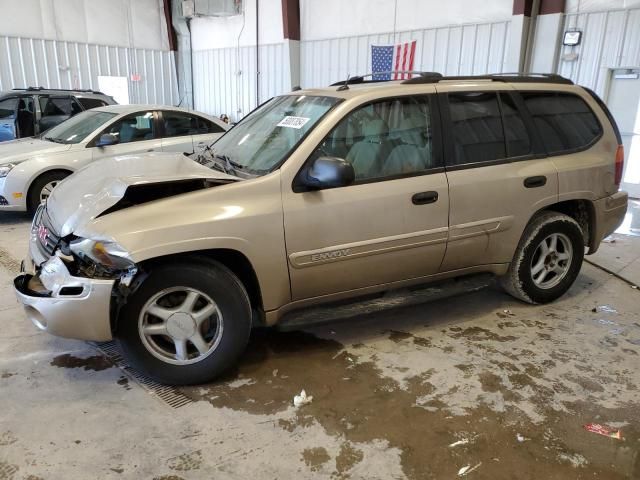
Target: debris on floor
603, 430
602, 321
521, 438
302, 399
464, 471
464, 441
604, 308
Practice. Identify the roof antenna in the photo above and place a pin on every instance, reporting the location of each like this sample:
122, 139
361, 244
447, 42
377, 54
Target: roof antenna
345, 86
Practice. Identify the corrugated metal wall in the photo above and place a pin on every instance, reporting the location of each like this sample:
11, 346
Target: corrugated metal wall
451, 50
57, 64
610, 39
224, 79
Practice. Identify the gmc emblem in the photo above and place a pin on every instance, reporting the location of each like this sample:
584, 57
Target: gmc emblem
43, 233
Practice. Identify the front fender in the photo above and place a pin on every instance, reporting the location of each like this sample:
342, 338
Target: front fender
245, 217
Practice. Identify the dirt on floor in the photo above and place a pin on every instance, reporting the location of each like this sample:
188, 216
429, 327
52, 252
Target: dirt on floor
529, 392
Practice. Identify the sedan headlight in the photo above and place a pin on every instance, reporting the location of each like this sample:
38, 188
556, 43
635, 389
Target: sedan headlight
5, 169
107, 254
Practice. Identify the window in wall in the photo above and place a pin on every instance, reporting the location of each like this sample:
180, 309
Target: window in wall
565, 122
476, 127
384, 139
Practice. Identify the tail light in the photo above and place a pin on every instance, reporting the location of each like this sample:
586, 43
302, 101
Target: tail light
619, 164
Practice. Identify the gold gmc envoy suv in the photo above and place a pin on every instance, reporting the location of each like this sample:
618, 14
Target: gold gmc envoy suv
323, 195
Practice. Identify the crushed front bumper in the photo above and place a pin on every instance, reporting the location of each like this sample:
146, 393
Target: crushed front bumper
64, 305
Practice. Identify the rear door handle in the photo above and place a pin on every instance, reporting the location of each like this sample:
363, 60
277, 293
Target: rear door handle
535, 182
423, 198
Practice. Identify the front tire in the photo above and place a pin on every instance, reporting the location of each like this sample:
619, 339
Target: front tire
42, 187
186, 324
547, 260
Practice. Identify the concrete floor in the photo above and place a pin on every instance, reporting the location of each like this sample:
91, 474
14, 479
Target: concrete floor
420, 391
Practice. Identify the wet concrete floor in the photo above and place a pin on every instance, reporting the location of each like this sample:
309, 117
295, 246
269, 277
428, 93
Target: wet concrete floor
475, 386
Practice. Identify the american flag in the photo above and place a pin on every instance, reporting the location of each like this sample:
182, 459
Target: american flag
389, 58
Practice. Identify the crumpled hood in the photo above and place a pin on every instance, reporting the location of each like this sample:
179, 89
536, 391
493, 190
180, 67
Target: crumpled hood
91, 190
17, 151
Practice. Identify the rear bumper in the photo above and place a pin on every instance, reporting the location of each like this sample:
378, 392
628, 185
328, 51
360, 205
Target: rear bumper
609, 214
67, 306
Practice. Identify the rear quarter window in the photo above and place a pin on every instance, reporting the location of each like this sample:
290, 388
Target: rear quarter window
89, 103
564, 120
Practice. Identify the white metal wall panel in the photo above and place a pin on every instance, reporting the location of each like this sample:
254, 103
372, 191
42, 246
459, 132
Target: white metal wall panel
224, 79
452, 50
610, 39
68, 65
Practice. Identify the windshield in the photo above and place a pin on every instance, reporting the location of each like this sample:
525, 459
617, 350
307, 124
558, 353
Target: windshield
77, 128
262, 140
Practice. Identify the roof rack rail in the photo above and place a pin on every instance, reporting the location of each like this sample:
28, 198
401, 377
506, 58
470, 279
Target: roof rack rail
344, 84
498, 77
37, 89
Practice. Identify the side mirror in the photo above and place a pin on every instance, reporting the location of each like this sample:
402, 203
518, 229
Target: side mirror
106, 139
328, 172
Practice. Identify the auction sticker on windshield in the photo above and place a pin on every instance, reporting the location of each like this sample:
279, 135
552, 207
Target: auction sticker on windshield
293, 122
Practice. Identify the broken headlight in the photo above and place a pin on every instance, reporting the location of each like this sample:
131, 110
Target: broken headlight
108, 255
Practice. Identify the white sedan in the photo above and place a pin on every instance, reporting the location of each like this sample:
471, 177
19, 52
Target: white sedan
30, 168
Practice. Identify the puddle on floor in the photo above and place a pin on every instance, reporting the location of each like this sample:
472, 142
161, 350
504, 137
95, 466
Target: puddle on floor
354, 402
95, 362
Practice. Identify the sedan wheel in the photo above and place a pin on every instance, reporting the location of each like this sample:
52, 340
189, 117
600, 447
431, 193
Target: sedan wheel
47, 189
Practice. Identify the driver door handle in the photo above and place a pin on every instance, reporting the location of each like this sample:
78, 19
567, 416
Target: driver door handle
423, 198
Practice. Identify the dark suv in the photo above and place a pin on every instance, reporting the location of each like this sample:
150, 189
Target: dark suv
25, 112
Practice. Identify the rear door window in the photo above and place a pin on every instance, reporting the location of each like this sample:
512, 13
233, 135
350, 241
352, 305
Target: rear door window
478, 135
564, 121
55, 110
518, 140
59, 106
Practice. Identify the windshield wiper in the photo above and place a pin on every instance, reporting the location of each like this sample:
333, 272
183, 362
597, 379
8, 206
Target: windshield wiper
227, 165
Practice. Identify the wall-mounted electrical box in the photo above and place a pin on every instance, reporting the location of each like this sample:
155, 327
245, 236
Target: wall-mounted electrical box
211, 8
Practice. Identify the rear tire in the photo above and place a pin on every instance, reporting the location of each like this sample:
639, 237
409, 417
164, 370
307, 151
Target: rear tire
41, 188
186, 324
547, 260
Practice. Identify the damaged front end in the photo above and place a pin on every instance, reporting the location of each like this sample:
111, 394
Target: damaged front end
77, 277
73, 287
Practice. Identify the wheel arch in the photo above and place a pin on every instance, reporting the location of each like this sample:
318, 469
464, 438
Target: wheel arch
234, 260
45, 171
582, 211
